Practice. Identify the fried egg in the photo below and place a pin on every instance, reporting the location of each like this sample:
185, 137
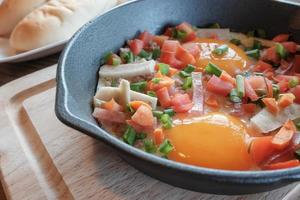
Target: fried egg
214, 140
233, 62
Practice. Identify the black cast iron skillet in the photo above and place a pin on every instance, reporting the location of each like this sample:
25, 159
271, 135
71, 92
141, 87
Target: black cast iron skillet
80, 61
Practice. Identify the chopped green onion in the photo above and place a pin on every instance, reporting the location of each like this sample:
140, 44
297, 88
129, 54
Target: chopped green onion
189, 68
169, 112
293, 82
251, 33
139, 86
156, 80
156, 53
214, 25
151, 93
116, 61
240, 86
184, 74
188, 83
259, 74
179, 34
129, 136
253, 53
166, 147
298, 126
261, 33
141, 136
127, 56
166, 121
281, 51
149, 146
157, 113
276, 91
114, 83
145, 54
235, 41
113, 59
107, 57
163, 68
234, 96
213, 69
221, 50
257, 44
129, 108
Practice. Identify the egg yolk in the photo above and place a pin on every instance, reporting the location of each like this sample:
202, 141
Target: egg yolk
215, 140
233, 61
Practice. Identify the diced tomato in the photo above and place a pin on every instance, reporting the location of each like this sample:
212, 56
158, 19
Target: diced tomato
191, 37
164, 97
281, 38
296, 65
228, 78
217, 86
186, 27
180, 99
159, 136
183, 108
164, 81
136, 46
261, 149
212, 101
257, 82
249, 108
138, 128
296, 92
286, 100
146, 37
286, 78
250, 92
160, 39
170, 46
170, 58
291, 47
283, 138
181, 103
271, 55
261, 66
143, 116
172, 71
192, 48
136, 104
113, 59
168, 32
269, 88
271, 105
282, 165
191, 34
109, 115
283, 85
184, 56
112, 105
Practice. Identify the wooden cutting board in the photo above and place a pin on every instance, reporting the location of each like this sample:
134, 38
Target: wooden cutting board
40, 158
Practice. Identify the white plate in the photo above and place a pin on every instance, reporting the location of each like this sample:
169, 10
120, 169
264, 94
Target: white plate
7, 54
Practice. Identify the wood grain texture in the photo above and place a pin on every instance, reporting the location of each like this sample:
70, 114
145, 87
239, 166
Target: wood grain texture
40, 158
12, 71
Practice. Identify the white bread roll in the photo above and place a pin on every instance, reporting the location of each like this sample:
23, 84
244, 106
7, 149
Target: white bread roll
57, 20
13, 11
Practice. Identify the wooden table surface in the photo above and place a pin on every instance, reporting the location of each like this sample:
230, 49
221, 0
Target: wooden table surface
12, 71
